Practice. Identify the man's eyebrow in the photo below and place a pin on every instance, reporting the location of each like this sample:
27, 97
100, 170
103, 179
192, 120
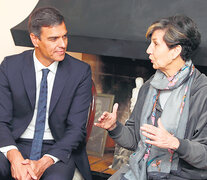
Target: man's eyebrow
53, 37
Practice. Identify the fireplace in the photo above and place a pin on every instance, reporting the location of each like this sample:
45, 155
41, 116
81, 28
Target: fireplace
116, 76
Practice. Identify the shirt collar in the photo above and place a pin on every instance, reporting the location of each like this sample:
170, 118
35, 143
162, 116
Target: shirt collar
39, 66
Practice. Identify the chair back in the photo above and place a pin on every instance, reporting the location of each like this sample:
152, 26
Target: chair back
92, 112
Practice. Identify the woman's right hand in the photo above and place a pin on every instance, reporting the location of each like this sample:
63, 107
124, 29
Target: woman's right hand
108, 120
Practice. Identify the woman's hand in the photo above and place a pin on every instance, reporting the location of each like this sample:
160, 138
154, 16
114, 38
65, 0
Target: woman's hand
108, 120
159, 137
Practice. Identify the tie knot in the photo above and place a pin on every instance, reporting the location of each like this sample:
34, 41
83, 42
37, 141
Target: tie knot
45, 72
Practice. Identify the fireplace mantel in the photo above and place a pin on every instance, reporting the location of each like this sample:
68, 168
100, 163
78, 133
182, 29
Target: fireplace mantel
117, 27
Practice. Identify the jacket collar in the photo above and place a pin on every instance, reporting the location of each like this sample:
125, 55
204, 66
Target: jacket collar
28, 74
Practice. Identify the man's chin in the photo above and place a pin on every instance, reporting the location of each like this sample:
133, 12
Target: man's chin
60, 58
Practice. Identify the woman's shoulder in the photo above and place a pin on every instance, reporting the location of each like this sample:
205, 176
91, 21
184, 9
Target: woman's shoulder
199, 83
144, 88
147, 83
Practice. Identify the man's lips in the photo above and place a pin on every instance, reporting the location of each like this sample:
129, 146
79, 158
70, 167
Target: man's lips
60, 52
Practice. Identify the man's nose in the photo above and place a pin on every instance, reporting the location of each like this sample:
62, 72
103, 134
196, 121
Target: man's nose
62, 42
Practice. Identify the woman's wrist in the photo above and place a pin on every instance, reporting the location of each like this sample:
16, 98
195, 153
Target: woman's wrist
175, 143
112, 127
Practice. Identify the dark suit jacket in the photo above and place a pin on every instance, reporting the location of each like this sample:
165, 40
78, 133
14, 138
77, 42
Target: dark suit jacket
68, 109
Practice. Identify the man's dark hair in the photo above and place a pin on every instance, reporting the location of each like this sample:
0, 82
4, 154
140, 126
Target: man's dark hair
44, 17
179, 30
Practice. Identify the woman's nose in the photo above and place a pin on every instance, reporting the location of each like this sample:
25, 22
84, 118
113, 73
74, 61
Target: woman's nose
149, 49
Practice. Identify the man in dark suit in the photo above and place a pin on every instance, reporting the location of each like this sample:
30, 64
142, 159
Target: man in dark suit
68, 96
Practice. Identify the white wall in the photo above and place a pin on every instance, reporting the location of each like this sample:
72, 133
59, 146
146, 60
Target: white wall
12, 12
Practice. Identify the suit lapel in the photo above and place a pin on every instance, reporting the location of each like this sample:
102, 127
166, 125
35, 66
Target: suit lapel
28, 75
59, 83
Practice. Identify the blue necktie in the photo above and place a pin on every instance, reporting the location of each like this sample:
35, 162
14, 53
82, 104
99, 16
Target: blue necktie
36, 149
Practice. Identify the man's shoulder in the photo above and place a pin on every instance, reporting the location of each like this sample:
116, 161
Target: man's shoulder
76, 62
18, 57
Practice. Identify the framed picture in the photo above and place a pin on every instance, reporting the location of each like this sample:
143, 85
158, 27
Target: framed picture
97, 140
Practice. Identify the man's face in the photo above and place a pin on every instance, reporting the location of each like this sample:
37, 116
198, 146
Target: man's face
52, 44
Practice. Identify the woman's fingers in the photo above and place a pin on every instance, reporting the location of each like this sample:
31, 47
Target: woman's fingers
108, 120
115, 108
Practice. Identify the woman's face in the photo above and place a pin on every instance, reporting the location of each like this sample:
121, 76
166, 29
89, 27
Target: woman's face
159, 53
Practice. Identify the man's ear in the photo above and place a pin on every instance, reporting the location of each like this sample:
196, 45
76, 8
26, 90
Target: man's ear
176, 51
34, 39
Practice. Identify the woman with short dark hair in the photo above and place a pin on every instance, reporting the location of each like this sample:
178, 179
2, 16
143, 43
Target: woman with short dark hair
179, 30
167, 129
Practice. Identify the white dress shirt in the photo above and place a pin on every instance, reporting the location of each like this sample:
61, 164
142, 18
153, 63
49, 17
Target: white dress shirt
29, 132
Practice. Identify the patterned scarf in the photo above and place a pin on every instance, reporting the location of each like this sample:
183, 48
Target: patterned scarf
148, 158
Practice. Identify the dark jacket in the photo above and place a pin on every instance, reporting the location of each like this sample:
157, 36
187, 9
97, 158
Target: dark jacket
68, 109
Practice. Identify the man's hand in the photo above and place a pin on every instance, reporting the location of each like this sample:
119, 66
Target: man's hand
159, 136
18, 170
108, 120
39, 166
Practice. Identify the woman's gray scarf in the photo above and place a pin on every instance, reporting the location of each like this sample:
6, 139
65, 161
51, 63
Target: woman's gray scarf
174, 118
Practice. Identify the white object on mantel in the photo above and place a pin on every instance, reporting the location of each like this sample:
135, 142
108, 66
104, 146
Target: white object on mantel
139, 82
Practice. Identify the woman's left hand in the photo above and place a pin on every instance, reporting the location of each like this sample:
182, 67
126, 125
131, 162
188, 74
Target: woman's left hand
159, 137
